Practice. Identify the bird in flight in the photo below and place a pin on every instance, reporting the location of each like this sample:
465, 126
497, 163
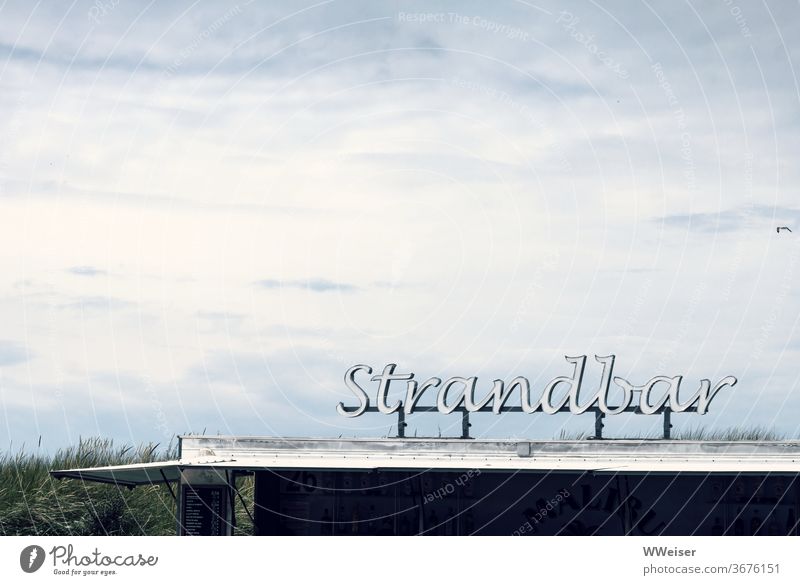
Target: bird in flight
782, 228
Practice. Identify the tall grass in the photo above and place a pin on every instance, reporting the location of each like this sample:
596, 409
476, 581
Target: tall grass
33, 503
755, 433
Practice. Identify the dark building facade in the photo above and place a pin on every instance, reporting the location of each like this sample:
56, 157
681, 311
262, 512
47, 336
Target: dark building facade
450, 487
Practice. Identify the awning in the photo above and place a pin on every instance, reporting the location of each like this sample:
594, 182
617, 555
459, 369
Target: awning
137, 473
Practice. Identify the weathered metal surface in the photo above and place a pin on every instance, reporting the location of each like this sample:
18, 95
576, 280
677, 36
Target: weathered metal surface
231, 446
620, 456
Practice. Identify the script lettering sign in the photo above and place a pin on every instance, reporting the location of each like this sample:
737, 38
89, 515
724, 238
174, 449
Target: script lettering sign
563, 392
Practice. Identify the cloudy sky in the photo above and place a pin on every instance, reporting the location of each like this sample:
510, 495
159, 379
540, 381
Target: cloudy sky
209, 212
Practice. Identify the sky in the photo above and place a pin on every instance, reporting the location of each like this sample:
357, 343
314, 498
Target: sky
210, 212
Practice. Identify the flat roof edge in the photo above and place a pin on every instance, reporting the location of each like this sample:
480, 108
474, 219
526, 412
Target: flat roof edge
493, 440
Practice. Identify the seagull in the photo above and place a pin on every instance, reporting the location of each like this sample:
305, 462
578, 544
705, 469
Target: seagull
782, 228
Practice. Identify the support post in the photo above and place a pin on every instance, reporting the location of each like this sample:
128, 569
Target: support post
598, 424
667, 423
401, 423
465, 424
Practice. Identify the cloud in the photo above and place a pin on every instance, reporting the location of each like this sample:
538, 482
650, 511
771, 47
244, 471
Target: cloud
12, 353
730, 220
92, 303
220, 316
219, 322
86, 271
319, 285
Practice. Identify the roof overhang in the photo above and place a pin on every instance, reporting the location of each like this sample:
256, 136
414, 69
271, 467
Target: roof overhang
245, 454
139, 473
125, 475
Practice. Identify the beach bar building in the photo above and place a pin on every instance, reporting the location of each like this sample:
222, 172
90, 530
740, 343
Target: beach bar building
463, 486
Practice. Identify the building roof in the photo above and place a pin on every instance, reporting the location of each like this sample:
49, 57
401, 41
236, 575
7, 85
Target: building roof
407, 454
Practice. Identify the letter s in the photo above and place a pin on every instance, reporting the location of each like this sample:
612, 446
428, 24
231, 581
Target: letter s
358, 391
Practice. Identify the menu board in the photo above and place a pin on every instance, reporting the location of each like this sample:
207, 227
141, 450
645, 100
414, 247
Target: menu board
204, 510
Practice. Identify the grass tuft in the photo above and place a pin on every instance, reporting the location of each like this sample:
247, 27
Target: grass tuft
756, 433
33, 503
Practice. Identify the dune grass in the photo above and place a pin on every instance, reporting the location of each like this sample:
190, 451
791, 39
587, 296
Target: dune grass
33, 503
755, 433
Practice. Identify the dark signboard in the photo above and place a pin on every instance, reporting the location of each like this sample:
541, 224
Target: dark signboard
204, 510
500, 503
